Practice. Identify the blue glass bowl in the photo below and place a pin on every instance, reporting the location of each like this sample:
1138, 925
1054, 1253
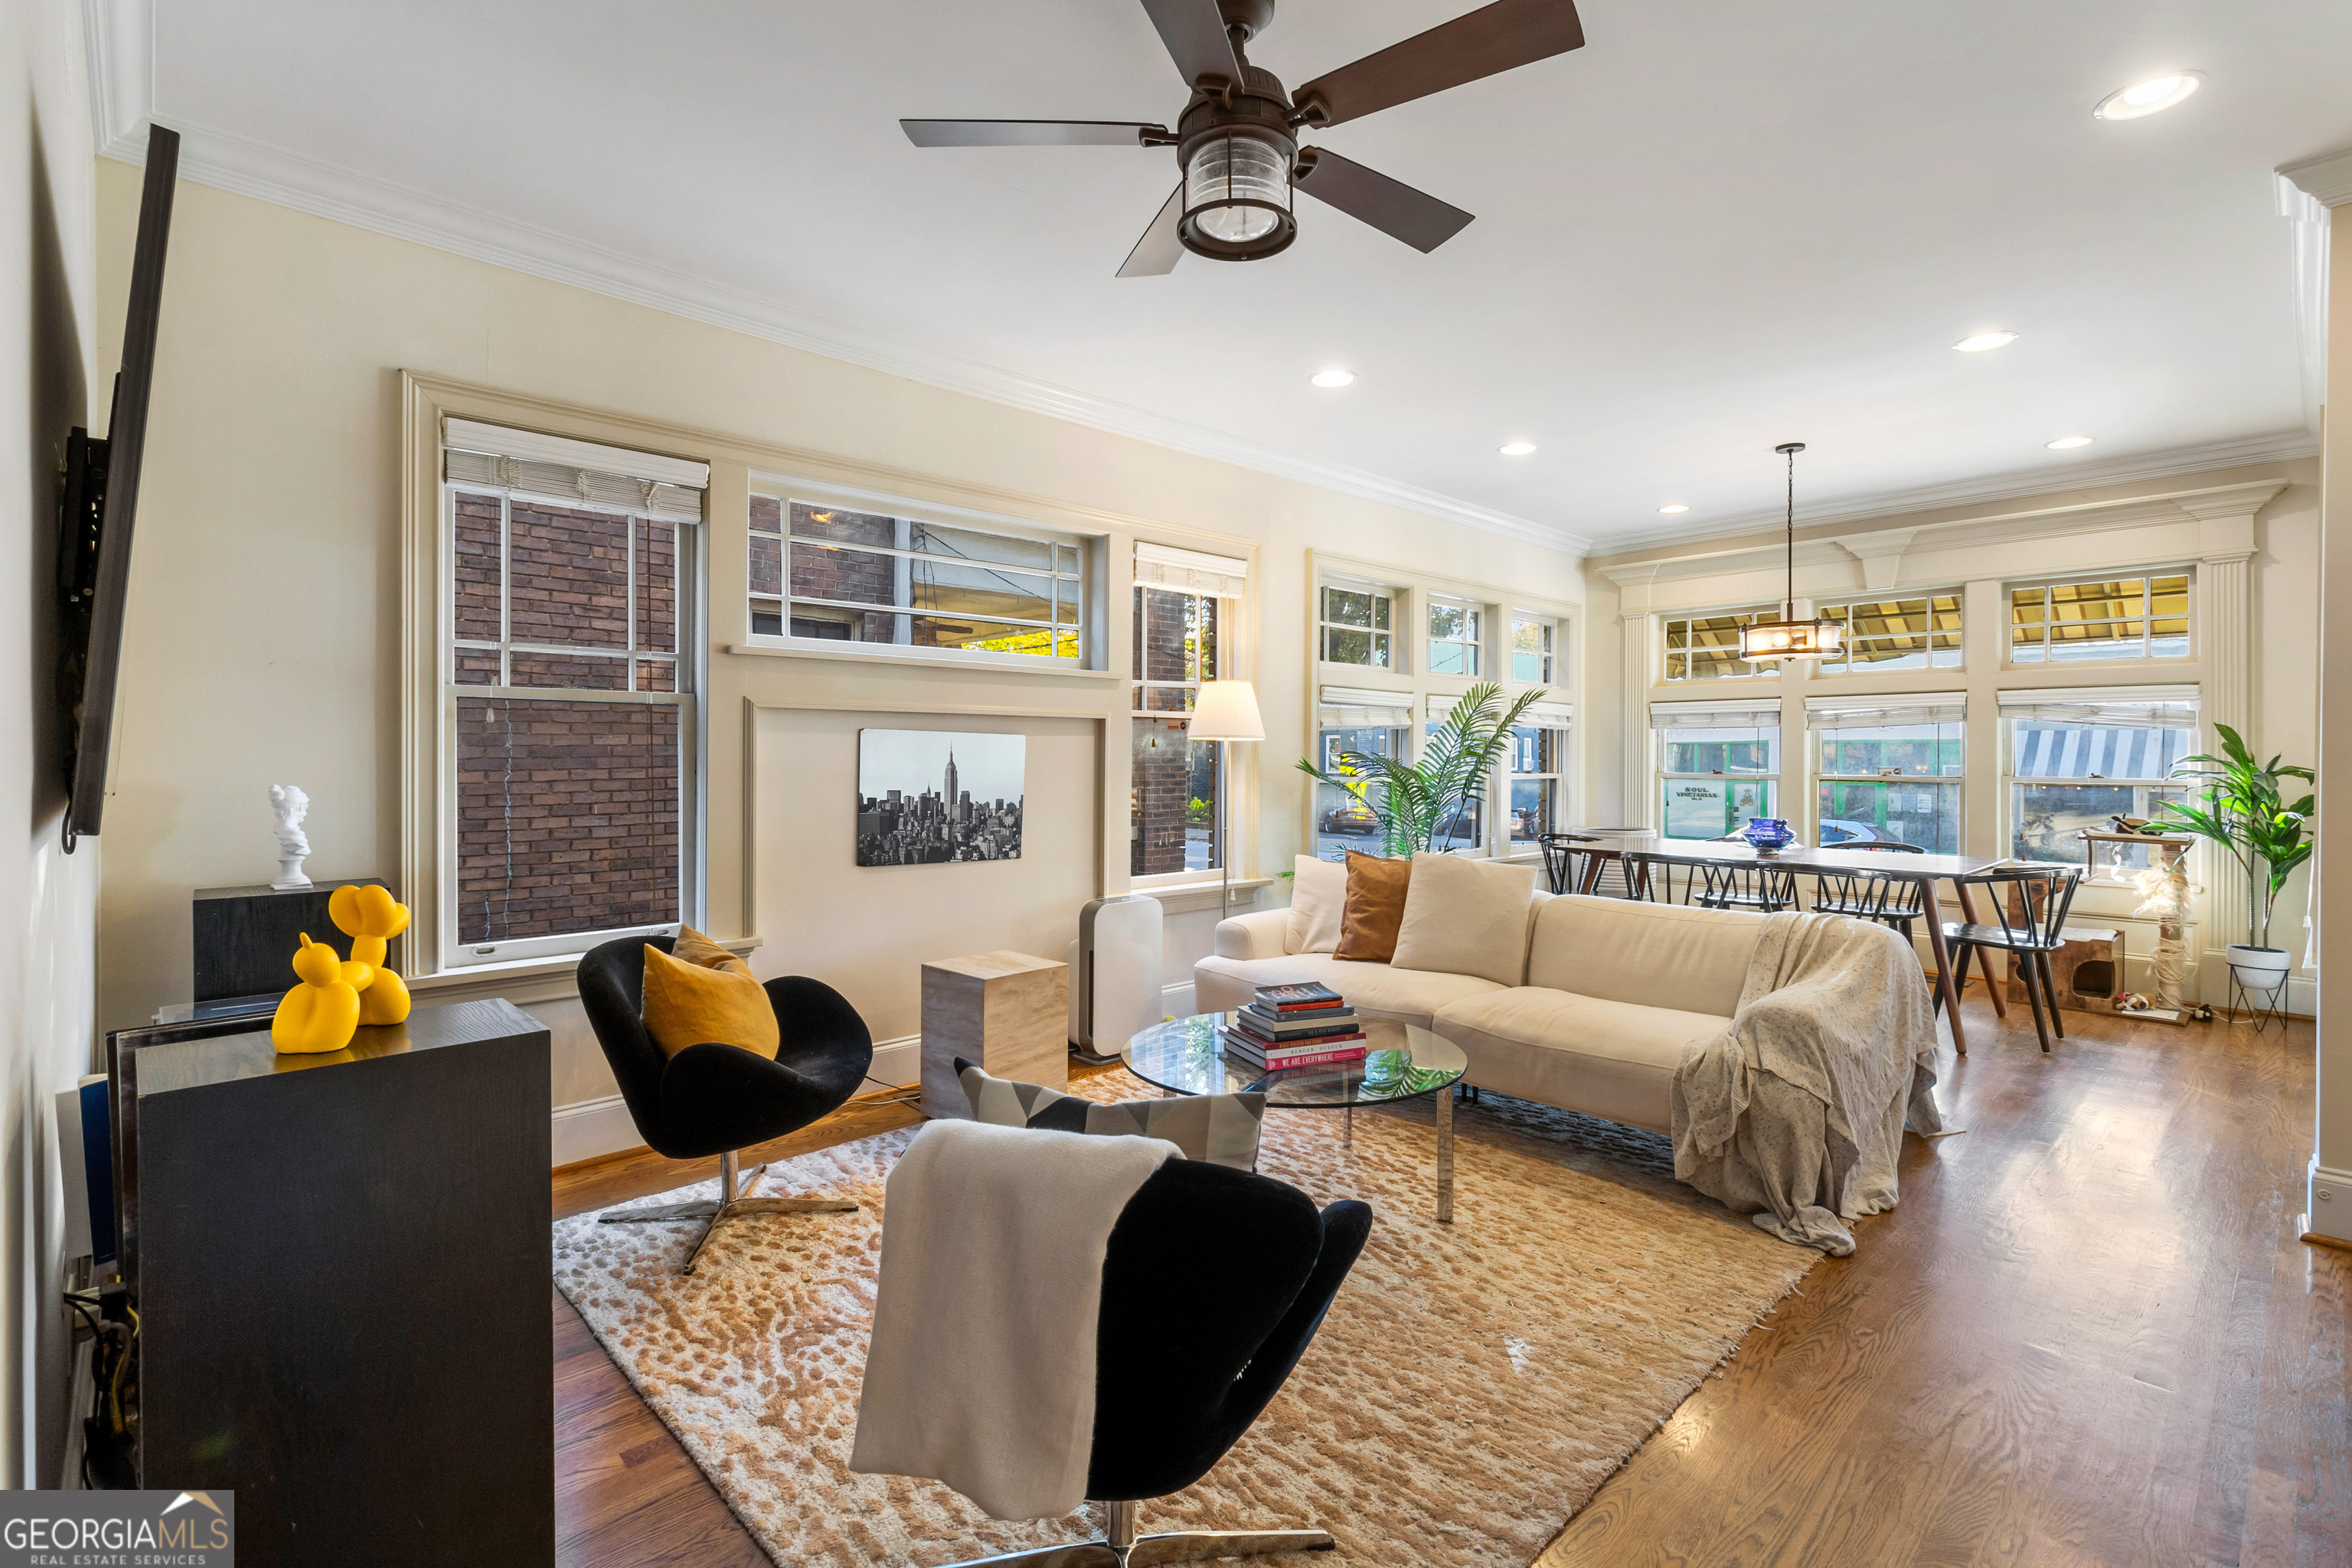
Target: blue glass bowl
1767, 833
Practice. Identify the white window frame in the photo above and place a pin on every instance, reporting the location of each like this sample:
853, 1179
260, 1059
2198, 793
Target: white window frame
1228, 611
1825, 716
1476, 621
1557, 721
1740, 614
1668, 718
1380, 592
788, 491
1353, 708
1841, 610
2146, 577
452, 955
2123, 703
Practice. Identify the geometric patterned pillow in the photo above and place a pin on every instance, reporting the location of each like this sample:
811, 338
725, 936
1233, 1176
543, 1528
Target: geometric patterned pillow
1222, 1129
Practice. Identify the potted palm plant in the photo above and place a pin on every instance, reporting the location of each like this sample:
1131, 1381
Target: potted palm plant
2242, 809
1425, 804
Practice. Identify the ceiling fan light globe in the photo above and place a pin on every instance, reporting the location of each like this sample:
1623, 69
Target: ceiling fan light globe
1237, 198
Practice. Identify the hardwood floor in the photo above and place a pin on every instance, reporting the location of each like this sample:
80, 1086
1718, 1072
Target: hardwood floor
2089, 1335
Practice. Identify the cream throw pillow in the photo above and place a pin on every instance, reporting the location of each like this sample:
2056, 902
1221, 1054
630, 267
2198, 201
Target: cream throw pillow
1466, 917
1318, 893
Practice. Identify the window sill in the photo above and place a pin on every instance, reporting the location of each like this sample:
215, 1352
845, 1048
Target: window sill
921, 661
528, 980
1188, 898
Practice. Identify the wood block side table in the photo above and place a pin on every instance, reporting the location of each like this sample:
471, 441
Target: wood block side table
1010, 1012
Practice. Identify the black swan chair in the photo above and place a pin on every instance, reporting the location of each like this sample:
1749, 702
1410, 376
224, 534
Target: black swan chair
718, 1099
1213, 1285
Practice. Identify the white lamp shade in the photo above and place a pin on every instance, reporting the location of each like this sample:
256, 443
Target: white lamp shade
1226, 711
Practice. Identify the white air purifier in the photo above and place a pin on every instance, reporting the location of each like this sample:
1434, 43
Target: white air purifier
1114, 975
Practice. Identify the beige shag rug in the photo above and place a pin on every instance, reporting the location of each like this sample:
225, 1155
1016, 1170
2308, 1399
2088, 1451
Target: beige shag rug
1472, 1386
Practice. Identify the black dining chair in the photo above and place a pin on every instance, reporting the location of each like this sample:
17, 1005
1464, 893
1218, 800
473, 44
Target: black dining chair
1763, 890
1568, 866
1212, 1287
2030, 926
718, 1099
1889, 898
1648, 878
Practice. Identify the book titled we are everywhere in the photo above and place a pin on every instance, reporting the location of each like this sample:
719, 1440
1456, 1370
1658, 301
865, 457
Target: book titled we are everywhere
1297, 1026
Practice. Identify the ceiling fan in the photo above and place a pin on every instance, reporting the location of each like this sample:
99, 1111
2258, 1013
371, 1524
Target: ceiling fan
1236, 147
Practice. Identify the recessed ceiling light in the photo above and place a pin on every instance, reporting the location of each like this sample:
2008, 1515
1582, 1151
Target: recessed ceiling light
2148, 97
1677, 507
2068, 443
1977, 342
1333, 377
1517, 448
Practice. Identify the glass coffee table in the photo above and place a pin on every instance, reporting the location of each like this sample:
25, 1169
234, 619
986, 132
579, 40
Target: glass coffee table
1404, 1062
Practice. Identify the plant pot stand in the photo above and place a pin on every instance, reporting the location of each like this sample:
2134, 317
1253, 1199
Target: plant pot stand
2268, 1004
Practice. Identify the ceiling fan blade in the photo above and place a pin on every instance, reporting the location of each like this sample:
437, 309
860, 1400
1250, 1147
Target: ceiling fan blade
1159, 250
1389, 205
1032, 133
1194, 32
1495, 38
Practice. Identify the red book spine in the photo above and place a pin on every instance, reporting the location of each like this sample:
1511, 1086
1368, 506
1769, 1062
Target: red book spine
1316, 1058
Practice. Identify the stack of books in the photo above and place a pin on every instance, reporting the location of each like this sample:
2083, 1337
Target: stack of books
1295, 1026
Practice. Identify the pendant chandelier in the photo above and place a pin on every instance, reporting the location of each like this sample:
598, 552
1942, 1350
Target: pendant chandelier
1789, 637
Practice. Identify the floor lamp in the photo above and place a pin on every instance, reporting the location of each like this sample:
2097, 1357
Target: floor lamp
1225, 711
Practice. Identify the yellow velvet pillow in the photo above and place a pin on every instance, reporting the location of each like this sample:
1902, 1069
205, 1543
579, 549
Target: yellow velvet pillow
693, 947
686, 1005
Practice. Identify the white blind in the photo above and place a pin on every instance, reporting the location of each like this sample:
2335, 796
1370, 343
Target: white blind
1192, 571
563, 471
1885, 712
1550, 715
2128, 707
1362, 705
1729, 714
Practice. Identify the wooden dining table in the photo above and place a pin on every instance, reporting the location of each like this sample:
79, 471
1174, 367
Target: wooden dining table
1924, 869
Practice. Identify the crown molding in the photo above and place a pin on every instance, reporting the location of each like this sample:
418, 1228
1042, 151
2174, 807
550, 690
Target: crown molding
120, 36
2327, 178
2280, 446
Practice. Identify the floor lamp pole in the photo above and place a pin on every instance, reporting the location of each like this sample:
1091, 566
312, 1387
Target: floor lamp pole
1224, 841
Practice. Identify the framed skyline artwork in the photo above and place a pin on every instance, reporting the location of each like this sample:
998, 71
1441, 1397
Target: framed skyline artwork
929, 797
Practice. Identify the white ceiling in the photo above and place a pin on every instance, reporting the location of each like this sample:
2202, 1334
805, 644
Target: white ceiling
1717, 226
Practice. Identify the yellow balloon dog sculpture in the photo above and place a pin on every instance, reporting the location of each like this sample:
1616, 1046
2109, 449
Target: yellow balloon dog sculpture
337, 997
369, 918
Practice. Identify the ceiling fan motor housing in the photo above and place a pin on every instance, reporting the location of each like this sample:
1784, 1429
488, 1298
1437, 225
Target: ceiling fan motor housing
1236, 154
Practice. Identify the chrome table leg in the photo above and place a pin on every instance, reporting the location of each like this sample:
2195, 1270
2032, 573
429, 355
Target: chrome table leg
1445, 1155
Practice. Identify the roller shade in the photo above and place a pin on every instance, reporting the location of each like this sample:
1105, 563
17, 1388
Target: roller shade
1885, 712
1358, 706
2114, 707
1749, 714
1191, 571
1550, 715
560, 469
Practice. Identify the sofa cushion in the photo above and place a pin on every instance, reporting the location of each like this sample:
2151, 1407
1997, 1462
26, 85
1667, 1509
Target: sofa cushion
1376, 895
1625, 950
1222, 1129
1374, 990
1466, 917
1610, 1059
1318, 896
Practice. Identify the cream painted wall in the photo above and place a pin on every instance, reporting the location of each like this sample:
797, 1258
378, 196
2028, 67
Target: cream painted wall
2331, 1194
49, 381
264, 638
2116, 525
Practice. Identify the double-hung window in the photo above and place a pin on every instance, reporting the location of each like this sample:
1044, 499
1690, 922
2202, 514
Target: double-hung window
1537, 764
1889, 769
567, 681
1718, 765
2109, 618
1707, 646
1921, 633
1369, 722
1184, 609
2079, 757
985, 590
1355, 625
1453, 630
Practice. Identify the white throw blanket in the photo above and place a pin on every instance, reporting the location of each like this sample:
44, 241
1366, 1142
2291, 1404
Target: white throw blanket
1796, 1115
981, 1371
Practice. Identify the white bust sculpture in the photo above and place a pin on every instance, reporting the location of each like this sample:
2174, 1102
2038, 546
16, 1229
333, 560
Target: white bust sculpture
292, 805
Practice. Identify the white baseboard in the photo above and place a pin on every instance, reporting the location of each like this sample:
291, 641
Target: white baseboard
895, 1063
2329, 1212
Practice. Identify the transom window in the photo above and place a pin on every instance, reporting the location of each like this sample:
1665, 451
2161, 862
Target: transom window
1896, 633
1355, 626
1706, 647
1531, 652
1453, 638
2108, 618
2078, 759
827, 573
1890, 772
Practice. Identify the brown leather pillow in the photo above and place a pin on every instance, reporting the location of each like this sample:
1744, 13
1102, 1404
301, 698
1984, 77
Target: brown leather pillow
1375, 907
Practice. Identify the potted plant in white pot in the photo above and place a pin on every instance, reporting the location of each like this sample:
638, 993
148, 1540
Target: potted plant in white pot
2242, 809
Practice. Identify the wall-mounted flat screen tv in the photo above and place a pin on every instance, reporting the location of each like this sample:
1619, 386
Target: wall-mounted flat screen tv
101, 494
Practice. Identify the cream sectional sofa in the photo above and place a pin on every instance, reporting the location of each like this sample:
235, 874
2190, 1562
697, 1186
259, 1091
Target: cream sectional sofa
1609, 993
